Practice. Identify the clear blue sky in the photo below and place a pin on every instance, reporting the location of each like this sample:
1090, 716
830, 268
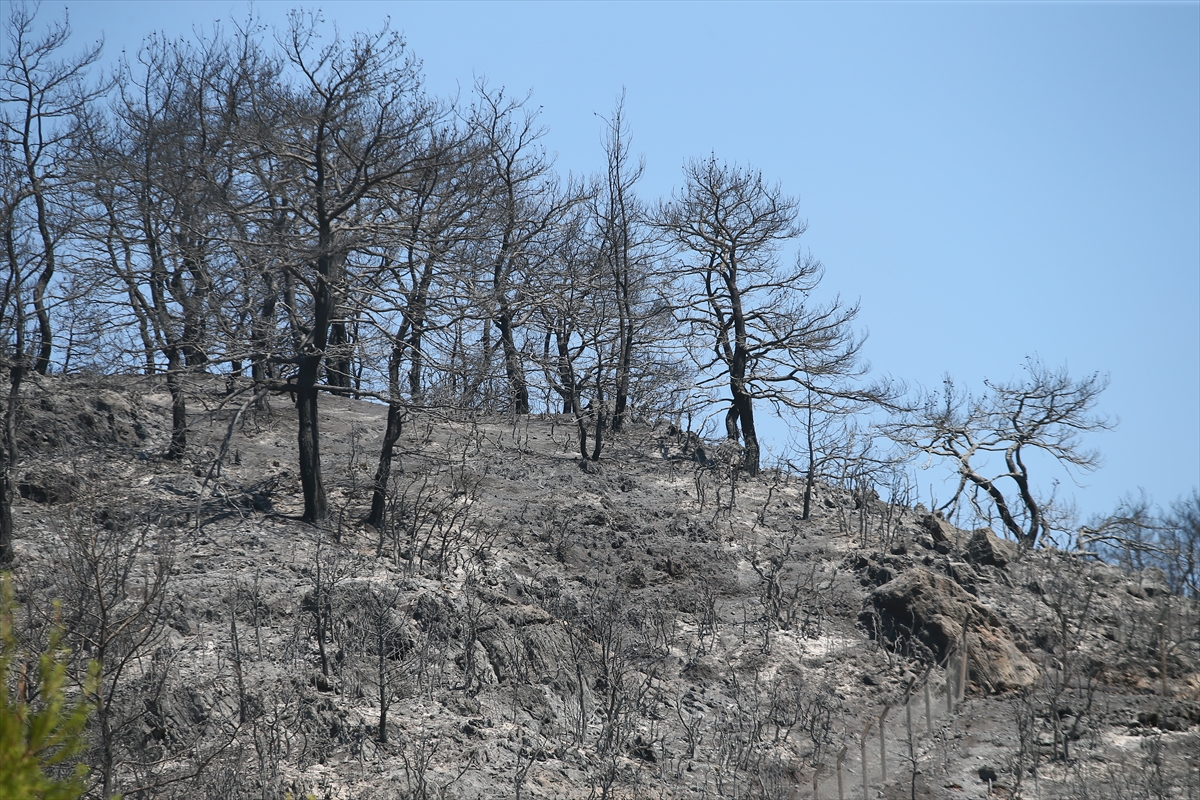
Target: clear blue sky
991, 180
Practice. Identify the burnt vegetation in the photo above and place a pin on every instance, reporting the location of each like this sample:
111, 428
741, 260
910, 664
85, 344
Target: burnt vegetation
365, 456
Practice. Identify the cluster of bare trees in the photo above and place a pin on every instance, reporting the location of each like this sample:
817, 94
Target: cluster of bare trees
293, 209
307, 215
1138, 535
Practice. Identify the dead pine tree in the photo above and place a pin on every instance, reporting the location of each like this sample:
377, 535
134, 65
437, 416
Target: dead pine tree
746, 317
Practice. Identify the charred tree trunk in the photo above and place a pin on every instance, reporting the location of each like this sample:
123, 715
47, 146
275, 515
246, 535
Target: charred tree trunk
742, 410
810, 482
309, 441
308, 428
16, 374
192, 300
416, 317
750, 447
810, 476
416, 388
381, 666
395, 424
624, 368
260, 332
179, 416
169, 342
337, 365
41, 362
601, 418
731, 423
517, 386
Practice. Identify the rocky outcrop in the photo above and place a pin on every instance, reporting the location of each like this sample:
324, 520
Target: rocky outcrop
53, 423
923, 612
985, 548
944, 535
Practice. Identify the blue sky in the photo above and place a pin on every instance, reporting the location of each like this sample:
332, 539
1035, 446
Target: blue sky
992, 181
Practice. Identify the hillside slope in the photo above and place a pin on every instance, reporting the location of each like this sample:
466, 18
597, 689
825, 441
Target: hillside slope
659, 627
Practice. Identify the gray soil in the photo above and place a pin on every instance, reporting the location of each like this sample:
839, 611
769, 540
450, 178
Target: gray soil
658, 625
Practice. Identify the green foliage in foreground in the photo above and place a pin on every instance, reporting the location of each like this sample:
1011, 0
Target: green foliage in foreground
40, 726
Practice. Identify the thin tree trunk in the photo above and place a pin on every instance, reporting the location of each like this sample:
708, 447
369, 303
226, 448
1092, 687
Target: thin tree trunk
179, 418
395, 423
810, 477
624, 367
416, 389
600, 418
810, 481
381, 665
580, 424
16, 374
260, 334
41, 363
312, 354
417, 318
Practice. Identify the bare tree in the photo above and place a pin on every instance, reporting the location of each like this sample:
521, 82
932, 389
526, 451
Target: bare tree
1139, 535
827, 439
42, 96
599, 302
114, 584
348, 124
47, 94
155, 175
525, 202
416, 279
1043, 413
383, 643
627, 252
747, 318
578, 327
1181, 545
15, 357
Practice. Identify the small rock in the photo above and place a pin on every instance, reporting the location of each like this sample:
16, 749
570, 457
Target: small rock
963, 575
642, 750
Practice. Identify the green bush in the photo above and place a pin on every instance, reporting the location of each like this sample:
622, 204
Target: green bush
41, 727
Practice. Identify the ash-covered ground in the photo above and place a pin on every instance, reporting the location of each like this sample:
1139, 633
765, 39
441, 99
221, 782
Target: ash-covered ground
660, 627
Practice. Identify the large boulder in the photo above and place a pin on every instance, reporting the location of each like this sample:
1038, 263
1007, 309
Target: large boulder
986, 548
922, 611
944, 535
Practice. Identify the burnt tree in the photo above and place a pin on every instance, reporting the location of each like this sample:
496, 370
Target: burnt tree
749, 323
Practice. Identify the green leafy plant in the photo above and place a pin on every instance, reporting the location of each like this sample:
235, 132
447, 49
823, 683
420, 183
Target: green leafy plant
41, 725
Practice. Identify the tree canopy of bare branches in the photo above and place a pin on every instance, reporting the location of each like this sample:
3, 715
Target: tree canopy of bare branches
1045, 412
750, 320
